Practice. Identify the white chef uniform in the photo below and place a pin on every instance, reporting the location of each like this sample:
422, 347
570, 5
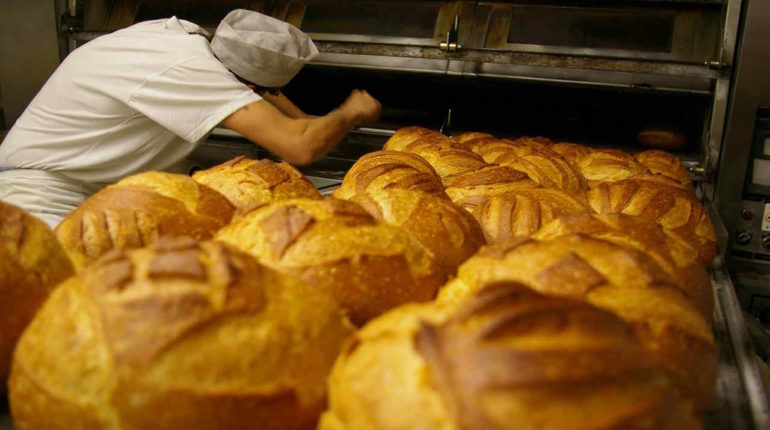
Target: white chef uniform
135, 100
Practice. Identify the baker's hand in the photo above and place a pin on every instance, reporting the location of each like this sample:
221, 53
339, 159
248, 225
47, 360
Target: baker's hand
363, 107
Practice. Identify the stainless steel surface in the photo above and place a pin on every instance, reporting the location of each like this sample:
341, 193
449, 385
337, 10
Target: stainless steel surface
750, 89
712, 140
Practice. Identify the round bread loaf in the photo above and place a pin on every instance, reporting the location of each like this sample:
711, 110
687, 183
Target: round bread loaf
548, 169
137, 210
448, 159
32, 263
178, 335
336, 246
472, 189
666, 138
406, 135
666, 164
608, 165
623, 281
663, 201
389, 169
523, 212
445, 229
249, 184
507, 358
677, 258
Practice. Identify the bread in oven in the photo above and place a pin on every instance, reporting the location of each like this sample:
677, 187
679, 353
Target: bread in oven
137, 210
473, 188
507, 358
666, 164
608, 165
336, 246
178, 335
32, 264
249, 184
446, 230
389, 169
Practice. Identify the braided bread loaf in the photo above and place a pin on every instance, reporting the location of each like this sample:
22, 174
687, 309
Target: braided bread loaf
382, 170
523, 212
249, 184
178, 335
32, 263
137, 210
657, 199
446, 230
339, 248
677, 258
508, 358
472, 189
623, 281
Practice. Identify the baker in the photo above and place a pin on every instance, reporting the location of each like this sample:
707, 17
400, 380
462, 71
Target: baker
144, 97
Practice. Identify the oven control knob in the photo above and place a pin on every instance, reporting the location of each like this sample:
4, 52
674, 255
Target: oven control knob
744, 237
766, 242
747, 214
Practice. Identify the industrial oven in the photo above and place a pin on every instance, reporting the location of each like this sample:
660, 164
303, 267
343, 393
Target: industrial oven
597, 72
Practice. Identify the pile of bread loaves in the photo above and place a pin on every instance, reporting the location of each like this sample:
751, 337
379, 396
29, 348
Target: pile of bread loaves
450, 283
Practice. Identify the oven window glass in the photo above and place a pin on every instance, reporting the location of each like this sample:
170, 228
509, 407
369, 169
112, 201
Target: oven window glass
638, 30
372, 18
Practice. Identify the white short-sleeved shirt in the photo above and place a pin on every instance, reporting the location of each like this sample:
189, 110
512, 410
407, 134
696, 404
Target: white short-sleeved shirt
135, 100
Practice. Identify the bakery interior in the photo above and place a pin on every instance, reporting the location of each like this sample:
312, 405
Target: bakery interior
496, 341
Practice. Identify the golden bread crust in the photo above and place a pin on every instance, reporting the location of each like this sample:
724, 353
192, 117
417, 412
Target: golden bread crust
507, 358
472, 189
177, 335
32, 264
337, 247
677, 258
523, 212
406, 135
608, 165
250, 184
381, 170
449, 233
548, 169
671, 206
137, 210
666, 164
449, 159
621, 280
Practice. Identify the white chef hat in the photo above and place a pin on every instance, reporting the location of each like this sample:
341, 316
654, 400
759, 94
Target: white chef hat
261, 49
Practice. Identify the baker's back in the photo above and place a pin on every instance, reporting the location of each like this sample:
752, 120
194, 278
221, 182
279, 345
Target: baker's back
122, 104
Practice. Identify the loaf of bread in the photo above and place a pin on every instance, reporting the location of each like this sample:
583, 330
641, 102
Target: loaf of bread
665, 138
336, 246
449, 159
548, 169
382, 170
658, 199
450, 233
507, 358
608, 165
406, 135
137, 210
469, 136
490, 148
666, 164
472, 189
523, 212
679, 259
572, 152
32, 263
249, 184
178, 335
623, 281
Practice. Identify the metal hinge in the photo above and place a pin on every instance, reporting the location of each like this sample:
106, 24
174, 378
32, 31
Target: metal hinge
451, 44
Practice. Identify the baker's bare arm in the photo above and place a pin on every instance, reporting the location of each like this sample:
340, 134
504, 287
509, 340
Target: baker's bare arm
286, 106
302, 140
